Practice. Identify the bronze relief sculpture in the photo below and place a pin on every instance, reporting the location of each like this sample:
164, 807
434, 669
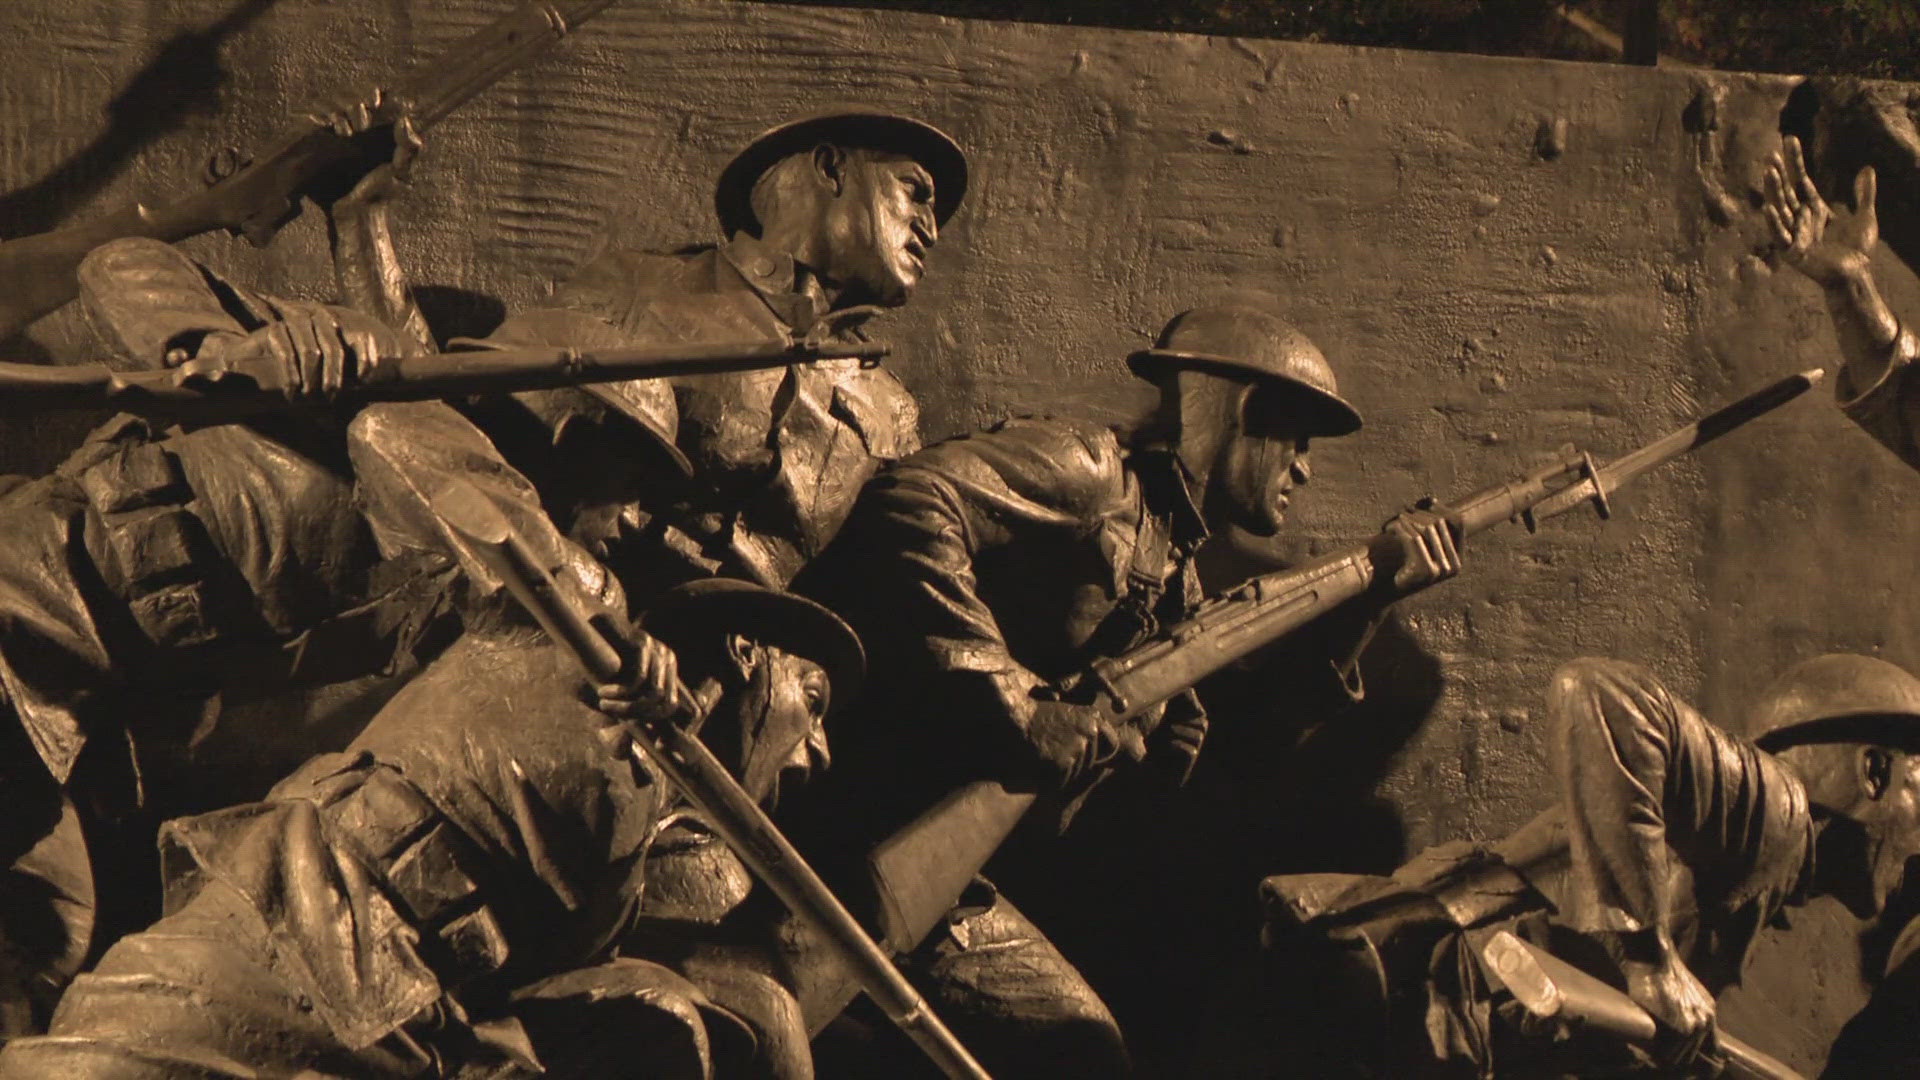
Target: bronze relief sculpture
911, 658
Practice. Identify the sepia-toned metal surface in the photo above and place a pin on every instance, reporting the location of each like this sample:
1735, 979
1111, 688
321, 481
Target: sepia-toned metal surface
1498, 257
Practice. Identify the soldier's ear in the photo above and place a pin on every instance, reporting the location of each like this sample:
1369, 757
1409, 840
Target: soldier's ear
1875, 764
829, 166
743, 656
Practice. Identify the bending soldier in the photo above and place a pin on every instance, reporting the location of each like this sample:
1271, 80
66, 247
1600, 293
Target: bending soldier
450, 892
1673, 845
156, 568
986, 568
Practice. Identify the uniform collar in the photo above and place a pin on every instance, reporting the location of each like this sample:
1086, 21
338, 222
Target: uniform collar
1168, 493
772, 274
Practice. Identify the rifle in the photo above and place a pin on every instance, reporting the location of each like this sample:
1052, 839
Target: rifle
254, 198
1553, 990
919, 871
170, 394
702, 779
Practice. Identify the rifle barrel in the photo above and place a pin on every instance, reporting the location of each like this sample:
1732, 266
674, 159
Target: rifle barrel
28, 388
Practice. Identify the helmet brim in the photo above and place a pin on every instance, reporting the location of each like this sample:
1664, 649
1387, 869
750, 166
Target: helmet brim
924, 143
783, 620
1327, 415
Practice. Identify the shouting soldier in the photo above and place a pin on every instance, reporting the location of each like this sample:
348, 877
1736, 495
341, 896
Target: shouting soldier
985, 569
451, 892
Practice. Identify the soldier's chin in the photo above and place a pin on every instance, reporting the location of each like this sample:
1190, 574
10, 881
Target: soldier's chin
1262, 523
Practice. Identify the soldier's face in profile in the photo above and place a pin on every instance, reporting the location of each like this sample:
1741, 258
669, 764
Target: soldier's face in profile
778, 722
1260, 465
880, 225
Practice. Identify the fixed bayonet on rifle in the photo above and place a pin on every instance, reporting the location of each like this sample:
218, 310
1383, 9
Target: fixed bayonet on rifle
170, 394
1267, 608
1554, 991
920, 871
255, 197
675, 751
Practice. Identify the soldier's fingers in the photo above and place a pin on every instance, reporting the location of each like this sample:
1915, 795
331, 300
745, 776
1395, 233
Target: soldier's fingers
1449, 551
1782, 232
364, 353
1803, 183
338, 356
407, 142
362, 116
1773, 186
1783, 191
325, 358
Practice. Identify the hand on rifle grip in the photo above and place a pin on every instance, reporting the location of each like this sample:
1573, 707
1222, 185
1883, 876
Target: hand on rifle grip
1072, 740
354, 116
653, 692
1173, 747
1417, 548
308, 354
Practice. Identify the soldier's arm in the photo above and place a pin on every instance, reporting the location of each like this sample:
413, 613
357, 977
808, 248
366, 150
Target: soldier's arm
919, 528
359, 229
1876, 386
404, 453
1649, 786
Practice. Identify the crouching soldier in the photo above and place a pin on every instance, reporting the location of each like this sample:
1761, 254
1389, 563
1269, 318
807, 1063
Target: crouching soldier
985, 570
450, 892
1673, 845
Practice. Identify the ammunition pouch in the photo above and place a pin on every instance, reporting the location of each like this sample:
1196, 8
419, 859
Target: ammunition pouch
157, 551
426, 864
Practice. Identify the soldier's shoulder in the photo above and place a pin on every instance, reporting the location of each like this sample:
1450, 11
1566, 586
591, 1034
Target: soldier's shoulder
618, 275
1071, 464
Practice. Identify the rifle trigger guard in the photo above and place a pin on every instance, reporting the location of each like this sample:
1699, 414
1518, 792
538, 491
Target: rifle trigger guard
1591, 473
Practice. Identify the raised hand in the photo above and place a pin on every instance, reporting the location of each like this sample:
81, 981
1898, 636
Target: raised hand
355, 115
1810, 241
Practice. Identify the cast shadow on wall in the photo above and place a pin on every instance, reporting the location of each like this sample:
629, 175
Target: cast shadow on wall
1153, 892
183, 80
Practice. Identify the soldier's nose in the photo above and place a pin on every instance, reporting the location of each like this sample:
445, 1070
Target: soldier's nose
1302, 470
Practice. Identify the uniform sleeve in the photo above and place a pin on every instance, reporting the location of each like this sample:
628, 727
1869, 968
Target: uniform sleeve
404, 454
1888, 408
919, 529
1648, 780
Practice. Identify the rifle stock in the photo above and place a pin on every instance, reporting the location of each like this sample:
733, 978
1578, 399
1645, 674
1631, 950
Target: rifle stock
261, 195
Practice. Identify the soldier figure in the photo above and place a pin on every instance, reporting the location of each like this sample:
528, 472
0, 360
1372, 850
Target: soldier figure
155, 568
984, 569
826, 218
449, 892
1673, 845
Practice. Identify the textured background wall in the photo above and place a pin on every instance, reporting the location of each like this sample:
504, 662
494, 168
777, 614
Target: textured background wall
1482, 299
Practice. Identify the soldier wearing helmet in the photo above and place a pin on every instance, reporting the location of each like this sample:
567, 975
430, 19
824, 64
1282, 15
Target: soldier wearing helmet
824, 220
984, 569
1673, 844
464, 890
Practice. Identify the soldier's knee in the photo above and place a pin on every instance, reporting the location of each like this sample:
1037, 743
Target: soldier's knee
129, 254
